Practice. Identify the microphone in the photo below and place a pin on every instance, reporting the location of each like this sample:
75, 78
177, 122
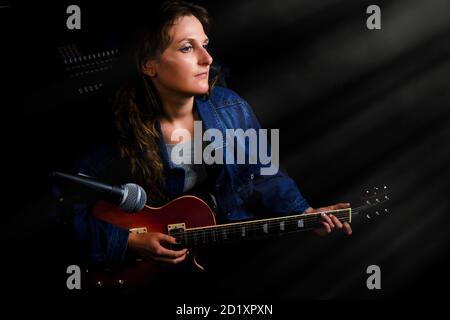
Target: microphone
129, 197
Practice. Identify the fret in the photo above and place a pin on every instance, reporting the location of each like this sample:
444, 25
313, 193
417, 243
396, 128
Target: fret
255, 229
203, 238
265, 228
289, 224
195, 239
315, 221
229, 233
186, 240
243, 231
249, 230
232, 233
199, 238
224, 234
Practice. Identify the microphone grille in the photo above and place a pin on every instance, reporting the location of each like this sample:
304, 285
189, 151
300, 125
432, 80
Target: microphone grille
135, 198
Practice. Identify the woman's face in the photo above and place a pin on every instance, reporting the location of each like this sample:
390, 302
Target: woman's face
183, 67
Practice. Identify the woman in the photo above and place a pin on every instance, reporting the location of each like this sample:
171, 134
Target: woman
171, 91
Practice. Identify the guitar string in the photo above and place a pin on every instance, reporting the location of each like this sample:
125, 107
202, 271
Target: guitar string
211, 237
259, 225
256, 226
289, 219
252, 225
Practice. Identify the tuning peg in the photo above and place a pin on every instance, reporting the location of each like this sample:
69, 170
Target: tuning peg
375, 190
386, 197
385, 187
377, 200
377, 213
368, 202
386, 211
368, 216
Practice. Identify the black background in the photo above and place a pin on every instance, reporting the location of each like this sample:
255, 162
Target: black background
356, 108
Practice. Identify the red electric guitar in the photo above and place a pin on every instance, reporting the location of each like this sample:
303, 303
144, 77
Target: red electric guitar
191, 221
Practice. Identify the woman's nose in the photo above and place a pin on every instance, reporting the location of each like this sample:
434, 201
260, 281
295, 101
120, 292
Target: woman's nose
205, 58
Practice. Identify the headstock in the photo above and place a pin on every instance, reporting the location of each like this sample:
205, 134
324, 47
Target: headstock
374, 203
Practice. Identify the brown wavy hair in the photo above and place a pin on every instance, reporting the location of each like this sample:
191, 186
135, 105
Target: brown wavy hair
137, 105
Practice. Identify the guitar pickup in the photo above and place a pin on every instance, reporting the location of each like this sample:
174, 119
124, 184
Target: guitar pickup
176, 230
175, 226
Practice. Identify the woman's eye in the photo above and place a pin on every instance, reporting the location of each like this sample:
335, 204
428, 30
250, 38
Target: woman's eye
205, 46
186, 49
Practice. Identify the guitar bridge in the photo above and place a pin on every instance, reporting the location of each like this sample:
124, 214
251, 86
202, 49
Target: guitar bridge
138, 230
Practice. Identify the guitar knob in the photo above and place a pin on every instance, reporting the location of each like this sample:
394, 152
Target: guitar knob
121, 282
99, 284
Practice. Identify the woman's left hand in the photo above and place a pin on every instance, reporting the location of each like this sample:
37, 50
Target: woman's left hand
331, 221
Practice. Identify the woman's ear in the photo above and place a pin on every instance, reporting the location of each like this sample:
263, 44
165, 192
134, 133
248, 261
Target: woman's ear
149, 68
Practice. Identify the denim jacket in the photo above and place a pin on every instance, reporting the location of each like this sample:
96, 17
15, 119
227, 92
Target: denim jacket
235, 187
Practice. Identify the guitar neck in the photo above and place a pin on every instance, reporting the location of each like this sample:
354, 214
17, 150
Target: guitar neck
232, 232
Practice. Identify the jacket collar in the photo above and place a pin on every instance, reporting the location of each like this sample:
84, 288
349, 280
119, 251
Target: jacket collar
174, 181
209, 117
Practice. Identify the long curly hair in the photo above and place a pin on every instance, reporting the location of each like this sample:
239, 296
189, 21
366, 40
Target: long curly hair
137, 105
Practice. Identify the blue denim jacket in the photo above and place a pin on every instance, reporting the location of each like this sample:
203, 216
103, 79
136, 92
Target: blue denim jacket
233, 187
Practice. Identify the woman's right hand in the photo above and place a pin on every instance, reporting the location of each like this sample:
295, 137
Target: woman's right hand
149, 245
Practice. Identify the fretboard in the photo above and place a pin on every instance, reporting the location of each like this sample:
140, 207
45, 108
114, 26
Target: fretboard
239, 231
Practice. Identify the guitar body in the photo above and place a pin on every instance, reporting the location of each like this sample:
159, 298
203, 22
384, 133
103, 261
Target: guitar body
191, 221
188, 210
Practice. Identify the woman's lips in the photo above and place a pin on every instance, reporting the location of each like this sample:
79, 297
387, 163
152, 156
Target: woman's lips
202, 75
